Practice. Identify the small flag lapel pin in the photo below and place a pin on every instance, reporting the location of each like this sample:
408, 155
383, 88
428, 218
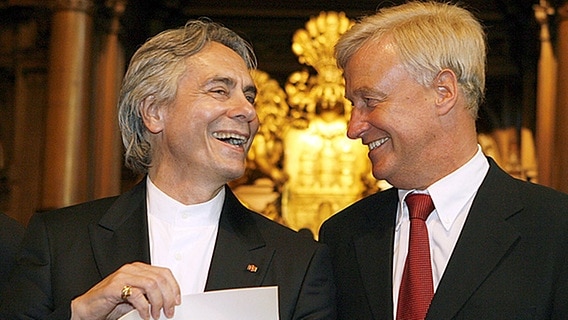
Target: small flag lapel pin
252, 268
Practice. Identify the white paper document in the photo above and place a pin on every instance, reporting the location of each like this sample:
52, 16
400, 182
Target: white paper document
258, 303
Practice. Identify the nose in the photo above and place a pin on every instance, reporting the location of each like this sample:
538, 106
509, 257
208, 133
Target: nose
243, 110
357, 124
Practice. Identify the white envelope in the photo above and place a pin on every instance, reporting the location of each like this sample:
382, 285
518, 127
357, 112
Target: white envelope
258, 303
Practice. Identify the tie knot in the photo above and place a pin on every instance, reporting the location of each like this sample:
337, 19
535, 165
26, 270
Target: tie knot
420, 205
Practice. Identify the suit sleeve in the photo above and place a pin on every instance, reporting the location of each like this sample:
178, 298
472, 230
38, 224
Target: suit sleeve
29, 291
317, 295
560, 295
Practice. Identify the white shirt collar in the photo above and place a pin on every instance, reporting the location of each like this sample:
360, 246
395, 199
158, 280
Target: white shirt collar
453, 192
164, 207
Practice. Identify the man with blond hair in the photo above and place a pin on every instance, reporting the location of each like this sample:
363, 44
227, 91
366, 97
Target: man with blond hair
456, 237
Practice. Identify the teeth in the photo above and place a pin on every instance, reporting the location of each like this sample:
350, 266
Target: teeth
231, 138
377, 143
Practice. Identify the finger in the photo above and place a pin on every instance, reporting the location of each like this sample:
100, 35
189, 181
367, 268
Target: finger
152, 284
154, 296
162, 290
171, 292
138, 301
163, 276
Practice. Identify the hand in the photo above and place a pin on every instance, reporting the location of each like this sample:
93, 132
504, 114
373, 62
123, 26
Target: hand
151, 285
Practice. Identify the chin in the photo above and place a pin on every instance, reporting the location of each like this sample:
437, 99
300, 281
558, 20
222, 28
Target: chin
234, 174
380, 174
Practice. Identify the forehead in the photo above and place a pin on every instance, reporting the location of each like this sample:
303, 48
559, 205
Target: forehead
374, 65
218, 59
374, 55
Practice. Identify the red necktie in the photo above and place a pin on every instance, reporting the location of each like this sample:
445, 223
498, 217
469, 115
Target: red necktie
417, 288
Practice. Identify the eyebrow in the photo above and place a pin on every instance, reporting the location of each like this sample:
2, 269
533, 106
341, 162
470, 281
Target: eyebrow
231, 83
251, 89
365, 91
227, 81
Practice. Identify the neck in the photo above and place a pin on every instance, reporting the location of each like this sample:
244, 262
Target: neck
186, 191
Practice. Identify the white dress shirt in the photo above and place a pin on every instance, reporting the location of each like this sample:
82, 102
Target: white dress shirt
452, 197
182, 237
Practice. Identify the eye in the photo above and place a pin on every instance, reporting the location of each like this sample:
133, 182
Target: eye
371, 102
220, 91
250, 97
359, 103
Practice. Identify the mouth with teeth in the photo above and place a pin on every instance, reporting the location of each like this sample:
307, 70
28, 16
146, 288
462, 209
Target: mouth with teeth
377, 143
234, 139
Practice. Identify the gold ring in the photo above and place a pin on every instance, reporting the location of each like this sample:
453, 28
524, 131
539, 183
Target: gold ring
125, 293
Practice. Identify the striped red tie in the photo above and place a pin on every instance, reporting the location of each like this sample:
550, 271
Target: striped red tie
416, 287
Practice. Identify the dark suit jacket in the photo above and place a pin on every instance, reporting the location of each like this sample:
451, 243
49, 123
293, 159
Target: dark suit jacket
67, 251
510, 261
11, 233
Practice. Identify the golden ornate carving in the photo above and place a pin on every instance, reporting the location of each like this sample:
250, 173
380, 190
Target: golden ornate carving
314, 47
301, 157
326, 170
267, 149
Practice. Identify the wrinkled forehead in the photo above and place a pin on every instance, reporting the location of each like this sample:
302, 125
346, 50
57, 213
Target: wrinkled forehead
216, 58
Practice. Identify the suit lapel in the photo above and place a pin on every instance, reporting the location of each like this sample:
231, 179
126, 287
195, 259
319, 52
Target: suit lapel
121, 235
239, 245
371, 248
485, 239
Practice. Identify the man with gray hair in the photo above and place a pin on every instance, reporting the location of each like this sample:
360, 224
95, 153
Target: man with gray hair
456, 237
187, 118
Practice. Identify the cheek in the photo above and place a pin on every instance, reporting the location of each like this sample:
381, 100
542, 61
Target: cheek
254, 125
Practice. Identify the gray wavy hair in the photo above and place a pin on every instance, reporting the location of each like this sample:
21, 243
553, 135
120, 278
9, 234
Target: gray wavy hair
155, 69
429, 37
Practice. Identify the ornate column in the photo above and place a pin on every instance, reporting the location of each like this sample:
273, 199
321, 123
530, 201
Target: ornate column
546, 96
107, 145
65, 179
560, 167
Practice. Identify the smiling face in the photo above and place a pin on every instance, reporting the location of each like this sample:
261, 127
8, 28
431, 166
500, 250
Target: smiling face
203, 137
394, 116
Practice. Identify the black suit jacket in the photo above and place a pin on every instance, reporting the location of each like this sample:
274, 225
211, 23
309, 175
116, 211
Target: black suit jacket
510, 261
11, 233
67, 251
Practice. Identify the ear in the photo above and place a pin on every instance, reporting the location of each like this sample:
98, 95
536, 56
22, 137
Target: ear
446, 88
152, 114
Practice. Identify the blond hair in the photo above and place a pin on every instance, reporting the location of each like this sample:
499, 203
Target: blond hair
429, 37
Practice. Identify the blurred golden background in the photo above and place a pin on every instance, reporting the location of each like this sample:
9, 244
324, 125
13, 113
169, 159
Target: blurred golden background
61, 63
